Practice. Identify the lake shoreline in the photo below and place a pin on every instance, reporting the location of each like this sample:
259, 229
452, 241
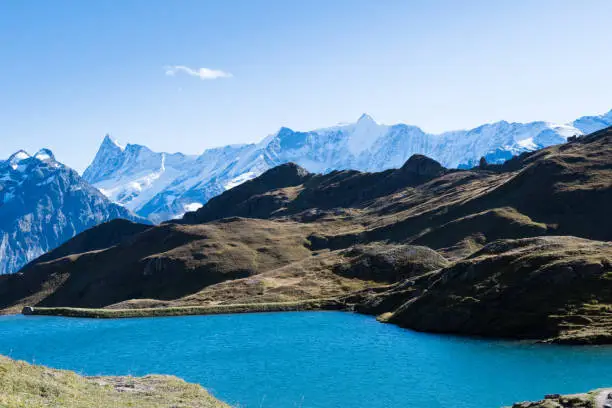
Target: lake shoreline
93, 313
594, 339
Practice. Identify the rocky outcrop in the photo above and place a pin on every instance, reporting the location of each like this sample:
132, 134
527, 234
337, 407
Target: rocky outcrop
557, 289
389, 263
594, 399
422, 166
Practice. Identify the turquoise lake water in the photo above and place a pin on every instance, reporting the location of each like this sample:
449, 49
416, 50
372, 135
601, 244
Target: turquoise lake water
310, 360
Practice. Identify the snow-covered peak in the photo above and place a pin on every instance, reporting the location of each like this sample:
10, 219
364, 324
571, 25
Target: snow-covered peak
18, 156
133, 174
18, 161
44, 155
21, 160
363, 134
590, 124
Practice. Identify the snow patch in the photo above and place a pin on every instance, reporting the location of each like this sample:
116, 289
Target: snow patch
236, 181
191, 207
565, 130
42, 156
526, 144
21, 155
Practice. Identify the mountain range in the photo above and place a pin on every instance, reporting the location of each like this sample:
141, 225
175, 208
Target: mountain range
162, 186
44, 203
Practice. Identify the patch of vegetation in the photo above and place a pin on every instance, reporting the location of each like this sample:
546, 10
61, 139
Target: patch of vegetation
23, 385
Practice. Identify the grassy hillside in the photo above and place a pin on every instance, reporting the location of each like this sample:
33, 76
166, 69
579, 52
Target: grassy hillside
31, 386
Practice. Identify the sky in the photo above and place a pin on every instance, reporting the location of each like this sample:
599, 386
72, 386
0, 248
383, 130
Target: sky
188, 75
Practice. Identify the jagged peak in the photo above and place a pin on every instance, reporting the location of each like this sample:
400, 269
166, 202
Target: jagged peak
110, 142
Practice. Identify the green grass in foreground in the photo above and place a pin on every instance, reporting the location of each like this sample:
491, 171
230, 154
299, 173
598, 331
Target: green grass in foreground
326, 304
30, 386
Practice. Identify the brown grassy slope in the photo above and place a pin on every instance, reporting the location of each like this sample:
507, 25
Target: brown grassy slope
25, 385
229, 261
101, 237
327, 275
556, 288
165, 262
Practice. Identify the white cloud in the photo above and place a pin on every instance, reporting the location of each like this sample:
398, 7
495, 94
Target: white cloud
202, 73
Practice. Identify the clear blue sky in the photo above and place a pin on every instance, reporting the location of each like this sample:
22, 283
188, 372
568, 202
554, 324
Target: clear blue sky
72, 71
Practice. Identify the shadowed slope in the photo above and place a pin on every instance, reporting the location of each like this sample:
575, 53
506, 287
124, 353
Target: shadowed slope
103, 236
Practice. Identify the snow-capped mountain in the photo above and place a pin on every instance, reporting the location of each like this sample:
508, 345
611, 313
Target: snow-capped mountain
161, 186
44, 203
590, 124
